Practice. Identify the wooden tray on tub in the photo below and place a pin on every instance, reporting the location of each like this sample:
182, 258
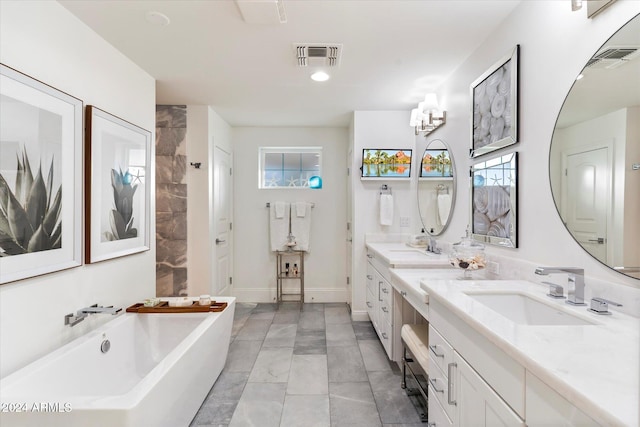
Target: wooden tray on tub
164, 307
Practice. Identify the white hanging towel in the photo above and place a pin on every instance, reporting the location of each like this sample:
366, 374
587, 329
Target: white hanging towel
386, 209
301, 225
444, 207
279, 225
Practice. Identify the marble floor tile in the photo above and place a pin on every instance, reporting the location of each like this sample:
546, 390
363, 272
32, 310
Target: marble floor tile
309, 375
311, 320
253, 330
310, 342
281, 335
313, 307
265, 307
272, 365
266, 316
352, 403
242, 356
340, 334
345, 364
364, 330
286, 317
306, 411
215, 413
337, 314
374, 356
229, 386
392, 401
260, 406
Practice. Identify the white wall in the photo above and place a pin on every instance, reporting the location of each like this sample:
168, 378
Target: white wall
379, 129
555, 43
45, 41
204, 129
254, 264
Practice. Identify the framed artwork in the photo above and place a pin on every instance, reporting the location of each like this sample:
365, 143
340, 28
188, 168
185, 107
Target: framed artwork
386, 163
117, 187
40, 178
495, 106
494, 201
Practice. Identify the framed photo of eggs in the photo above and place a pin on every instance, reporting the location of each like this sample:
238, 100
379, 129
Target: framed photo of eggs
495, 106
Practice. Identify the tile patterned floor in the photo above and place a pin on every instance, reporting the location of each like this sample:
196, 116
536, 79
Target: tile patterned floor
309, 368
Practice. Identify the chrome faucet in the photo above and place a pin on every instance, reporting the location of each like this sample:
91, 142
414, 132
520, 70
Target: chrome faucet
433, 246
80, 315
575, 291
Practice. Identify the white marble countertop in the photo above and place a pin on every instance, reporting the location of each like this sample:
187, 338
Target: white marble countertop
408, 279
401, 255
595, 367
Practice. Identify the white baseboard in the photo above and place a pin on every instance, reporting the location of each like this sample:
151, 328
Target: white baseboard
359, 316
310, 295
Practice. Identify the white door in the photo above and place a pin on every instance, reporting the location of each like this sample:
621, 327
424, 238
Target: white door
222, 221
349, 230
477, 403
588, 200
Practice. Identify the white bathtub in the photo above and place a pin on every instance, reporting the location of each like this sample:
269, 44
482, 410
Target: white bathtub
157, 373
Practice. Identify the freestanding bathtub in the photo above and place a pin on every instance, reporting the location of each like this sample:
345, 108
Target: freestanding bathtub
157, 372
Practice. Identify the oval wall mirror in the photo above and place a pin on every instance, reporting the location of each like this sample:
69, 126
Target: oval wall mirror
594, 160
436, 187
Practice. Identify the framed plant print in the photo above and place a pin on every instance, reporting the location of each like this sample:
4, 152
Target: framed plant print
495, 106
117, 187
494, 201
40, 178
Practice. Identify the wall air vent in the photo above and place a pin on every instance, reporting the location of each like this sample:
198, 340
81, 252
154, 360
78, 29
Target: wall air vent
613, 56
317, 54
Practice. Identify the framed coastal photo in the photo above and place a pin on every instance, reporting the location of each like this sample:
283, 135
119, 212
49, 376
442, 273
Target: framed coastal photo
386, 163
494, 201
117, 187
494, 111
40, 178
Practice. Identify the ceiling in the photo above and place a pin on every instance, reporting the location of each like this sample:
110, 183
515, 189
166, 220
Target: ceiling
394, 51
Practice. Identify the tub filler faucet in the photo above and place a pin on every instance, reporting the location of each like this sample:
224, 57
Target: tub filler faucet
575, 291
72, 320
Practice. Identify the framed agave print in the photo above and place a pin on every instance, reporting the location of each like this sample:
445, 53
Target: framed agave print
40, 178
495, 106
118, 159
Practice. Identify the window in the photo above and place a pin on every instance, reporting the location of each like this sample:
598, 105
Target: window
288, 167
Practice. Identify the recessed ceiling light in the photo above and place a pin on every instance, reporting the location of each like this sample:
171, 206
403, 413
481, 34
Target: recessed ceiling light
157, 18
320, 76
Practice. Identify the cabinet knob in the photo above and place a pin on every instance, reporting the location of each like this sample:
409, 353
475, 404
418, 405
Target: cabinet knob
433, 349
369, 304
403, 293
369, 277
385, 290
369, 256
385, 309
384, 335
434, 384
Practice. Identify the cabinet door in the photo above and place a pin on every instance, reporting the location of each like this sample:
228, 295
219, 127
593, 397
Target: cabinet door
477, 403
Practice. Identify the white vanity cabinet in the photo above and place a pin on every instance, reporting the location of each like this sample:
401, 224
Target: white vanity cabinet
467, 373
380, 301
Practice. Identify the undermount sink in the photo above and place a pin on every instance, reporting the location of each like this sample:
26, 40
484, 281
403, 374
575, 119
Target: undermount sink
524, 310
413, 252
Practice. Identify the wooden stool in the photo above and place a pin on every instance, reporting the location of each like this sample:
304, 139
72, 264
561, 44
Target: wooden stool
415, 339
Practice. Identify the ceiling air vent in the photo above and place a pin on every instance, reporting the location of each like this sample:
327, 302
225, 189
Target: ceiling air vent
613, 57
317, 54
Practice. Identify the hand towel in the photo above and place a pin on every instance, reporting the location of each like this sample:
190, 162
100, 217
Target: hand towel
301, 228
444, 207
301, 209
386, 209
280, 209
278, 227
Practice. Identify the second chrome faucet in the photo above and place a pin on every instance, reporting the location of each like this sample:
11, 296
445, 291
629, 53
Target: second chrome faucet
575, 288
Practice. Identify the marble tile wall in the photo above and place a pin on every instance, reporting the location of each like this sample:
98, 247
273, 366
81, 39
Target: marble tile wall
171, 200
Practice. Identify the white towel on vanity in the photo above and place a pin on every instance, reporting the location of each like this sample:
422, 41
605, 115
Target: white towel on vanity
278, 226
301, 226
444, 207
386, 209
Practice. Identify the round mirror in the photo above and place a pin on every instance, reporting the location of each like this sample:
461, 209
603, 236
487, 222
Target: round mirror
594, 160
436, 187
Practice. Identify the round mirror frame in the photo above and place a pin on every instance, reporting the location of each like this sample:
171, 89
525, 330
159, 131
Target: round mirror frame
422, 206
557, 192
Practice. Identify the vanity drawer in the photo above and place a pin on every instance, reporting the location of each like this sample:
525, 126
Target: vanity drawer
385, 292
440, 351
439, 389
371, 283
386, 337
437, 414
